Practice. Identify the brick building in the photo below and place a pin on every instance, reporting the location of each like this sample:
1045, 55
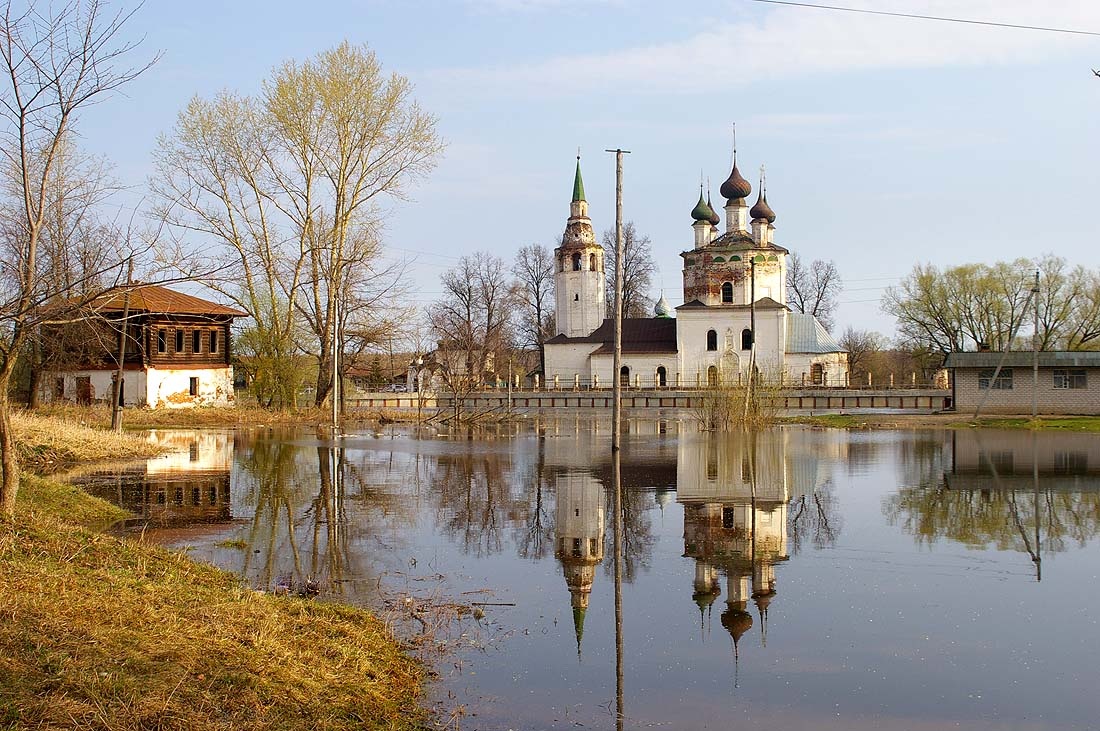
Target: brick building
1068, 383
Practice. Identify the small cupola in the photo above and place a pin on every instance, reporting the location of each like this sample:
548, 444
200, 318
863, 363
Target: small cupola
714, 218
662, 309
702, 211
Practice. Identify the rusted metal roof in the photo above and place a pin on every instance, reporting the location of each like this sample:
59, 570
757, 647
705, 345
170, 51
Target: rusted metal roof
157, 299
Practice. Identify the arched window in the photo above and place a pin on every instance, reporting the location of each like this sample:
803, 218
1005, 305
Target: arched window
624, 375
746, 339
712, 376
591, 262
727, 292
662, 376
712, 340
576, 262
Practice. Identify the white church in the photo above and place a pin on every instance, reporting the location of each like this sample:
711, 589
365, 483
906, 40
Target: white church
734, 298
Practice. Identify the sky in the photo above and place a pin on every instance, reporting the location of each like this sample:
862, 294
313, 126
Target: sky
888, 142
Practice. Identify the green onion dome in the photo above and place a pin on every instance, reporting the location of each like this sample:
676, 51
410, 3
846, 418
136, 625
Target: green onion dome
714, 219
702, 212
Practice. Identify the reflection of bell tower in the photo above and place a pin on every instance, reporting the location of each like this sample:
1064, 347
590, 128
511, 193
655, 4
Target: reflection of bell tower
579, 530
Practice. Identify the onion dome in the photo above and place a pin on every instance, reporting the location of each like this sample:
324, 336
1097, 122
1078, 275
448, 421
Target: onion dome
662, 308
735, 186
761, 209
702, 211
737, 622
714, 219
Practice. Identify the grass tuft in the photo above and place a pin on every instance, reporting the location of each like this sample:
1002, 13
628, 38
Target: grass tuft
51, 443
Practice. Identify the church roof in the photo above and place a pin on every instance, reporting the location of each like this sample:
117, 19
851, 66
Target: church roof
764, 303
742, 240
806, 335
640, 335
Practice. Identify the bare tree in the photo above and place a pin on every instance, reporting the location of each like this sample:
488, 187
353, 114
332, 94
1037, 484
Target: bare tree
290, 186
813, 289
638, 271
861, 346
470, 324
533, 269
56, 59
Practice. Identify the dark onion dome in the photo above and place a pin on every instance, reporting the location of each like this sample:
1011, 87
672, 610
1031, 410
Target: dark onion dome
714, 219
737, 622
701, 211
761, 209
735, 186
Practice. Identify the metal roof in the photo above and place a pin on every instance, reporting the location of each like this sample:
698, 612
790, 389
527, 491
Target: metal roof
1022, 359
154, 298
806, 335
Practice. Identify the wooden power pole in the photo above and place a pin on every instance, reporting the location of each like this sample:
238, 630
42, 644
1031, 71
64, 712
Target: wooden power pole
617, 358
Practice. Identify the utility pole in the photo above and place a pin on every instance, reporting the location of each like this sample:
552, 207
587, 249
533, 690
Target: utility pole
617, 358
116, 410
1035, 352
335, 364
752, 334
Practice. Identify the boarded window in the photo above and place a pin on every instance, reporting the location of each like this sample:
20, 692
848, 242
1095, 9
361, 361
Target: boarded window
194, 385
1003, 382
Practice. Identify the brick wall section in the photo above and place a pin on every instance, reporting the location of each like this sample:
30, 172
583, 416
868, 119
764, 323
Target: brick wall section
1017, 400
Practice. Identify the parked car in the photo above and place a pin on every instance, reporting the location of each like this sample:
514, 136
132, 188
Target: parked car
393, 388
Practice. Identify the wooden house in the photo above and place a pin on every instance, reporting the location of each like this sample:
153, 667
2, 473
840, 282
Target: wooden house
178, 351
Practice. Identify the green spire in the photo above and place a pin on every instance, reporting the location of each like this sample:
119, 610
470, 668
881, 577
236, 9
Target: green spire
578, 618
578, 184
702, 212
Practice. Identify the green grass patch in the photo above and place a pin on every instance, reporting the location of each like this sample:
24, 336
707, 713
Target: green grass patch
104, 632
1056, 423
235, 543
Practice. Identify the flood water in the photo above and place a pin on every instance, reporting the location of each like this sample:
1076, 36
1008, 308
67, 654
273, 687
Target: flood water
798, 578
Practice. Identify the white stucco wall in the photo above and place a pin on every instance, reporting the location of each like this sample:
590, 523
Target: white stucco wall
567, 360
170, 388
730, 359
798, 368
641, 364
133, 386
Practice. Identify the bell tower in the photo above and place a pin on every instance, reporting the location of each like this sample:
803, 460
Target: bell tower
580, 301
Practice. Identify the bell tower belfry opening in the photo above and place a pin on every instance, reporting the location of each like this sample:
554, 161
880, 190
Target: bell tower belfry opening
580, 301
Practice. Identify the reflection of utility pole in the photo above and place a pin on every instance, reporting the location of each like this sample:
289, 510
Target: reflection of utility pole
616, 476
1038, 557
752, 333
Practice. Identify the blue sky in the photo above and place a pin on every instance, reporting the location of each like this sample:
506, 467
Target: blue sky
887, 141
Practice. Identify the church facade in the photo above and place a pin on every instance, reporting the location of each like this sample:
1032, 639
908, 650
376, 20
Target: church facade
735, 318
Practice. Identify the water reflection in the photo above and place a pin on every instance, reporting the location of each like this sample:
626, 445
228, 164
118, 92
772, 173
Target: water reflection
782, 549
1016, 491
189, 485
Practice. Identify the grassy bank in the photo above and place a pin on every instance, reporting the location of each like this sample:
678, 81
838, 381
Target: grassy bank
948, 421
48, 443
100, 632
209, 416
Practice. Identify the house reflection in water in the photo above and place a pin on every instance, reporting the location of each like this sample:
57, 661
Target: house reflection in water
1032, 492
189, 485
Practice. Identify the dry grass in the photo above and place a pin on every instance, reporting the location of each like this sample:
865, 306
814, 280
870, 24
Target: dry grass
104, 633
50, 443
240, 415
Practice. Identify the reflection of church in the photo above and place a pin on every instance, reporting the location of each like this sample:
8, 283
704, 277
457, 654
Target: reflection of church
579, 533
736, 491
735, 494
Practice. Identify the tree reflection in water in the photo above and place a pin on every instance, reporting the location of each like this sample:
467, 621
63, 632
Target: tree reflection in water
1029, 492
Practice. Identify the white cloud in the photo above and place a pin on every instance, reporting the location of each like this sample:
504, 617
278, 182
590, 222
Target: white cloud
789, 42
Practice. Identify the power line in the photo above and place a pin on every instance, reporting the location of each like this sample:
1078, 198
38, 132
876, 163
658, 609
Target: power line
941, 18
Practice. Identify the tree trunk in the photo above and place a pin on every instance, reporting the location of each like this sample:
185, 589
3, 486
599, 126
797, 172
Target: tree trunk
9, 464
